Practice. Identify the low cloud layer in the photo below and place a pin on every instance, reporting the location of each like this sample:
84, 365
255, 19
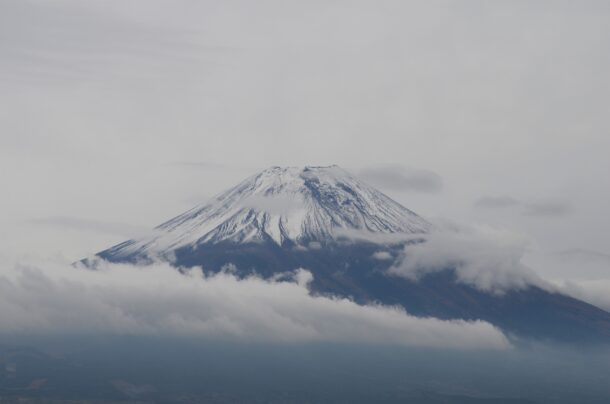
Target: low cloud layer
486, 258
398, 178
546, 208
158, 300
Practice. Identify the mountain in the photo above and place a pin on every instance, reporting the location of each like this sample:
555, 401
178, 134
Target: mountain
287, 206
334, 225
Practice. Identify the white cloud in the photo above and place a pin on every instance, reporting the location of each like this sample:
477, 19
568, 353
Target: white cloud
382, 255
314, 245
158, 300
595, 292
486, 258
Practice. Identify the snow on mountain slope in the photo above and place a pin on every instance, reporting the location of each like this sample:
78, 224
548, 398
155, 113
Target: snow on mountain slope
292, 205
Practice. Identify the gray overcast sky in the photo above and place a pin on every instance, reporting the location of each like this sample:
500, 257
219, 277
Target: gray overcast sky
116, 115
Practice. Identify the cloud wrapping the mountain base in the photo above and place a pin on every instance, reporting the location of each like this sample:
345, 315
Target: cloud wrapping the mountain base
158, 300
486, 258
596, 292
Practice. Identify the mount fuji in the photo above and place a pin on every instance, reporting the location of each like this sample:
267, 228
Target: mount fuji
285, 206
348, 235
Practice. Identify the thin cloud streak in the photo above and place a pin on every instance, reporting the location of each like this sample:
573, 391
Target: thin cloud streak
398, 178
544, 208
580, 254
494, 202
547, 209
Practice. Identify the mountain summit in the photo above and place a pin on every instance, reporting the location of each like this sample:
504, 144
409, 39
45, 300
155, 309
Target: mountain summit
282, 219
285, 205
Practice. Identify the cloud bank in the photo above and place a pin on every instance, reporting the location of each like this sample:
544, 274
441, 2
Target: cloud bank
486, 258
122, 299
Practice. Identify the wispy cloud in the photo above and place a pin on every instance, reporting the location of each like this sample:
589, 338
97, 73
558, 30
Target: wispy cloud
398, 178
383, 256
596, 292
543, 208
493, 202
547, 208
486, 258
581, 254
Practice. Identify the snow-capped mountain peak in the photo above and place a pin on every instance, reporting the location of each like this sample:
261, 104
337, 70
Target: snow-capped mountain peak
288, 205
